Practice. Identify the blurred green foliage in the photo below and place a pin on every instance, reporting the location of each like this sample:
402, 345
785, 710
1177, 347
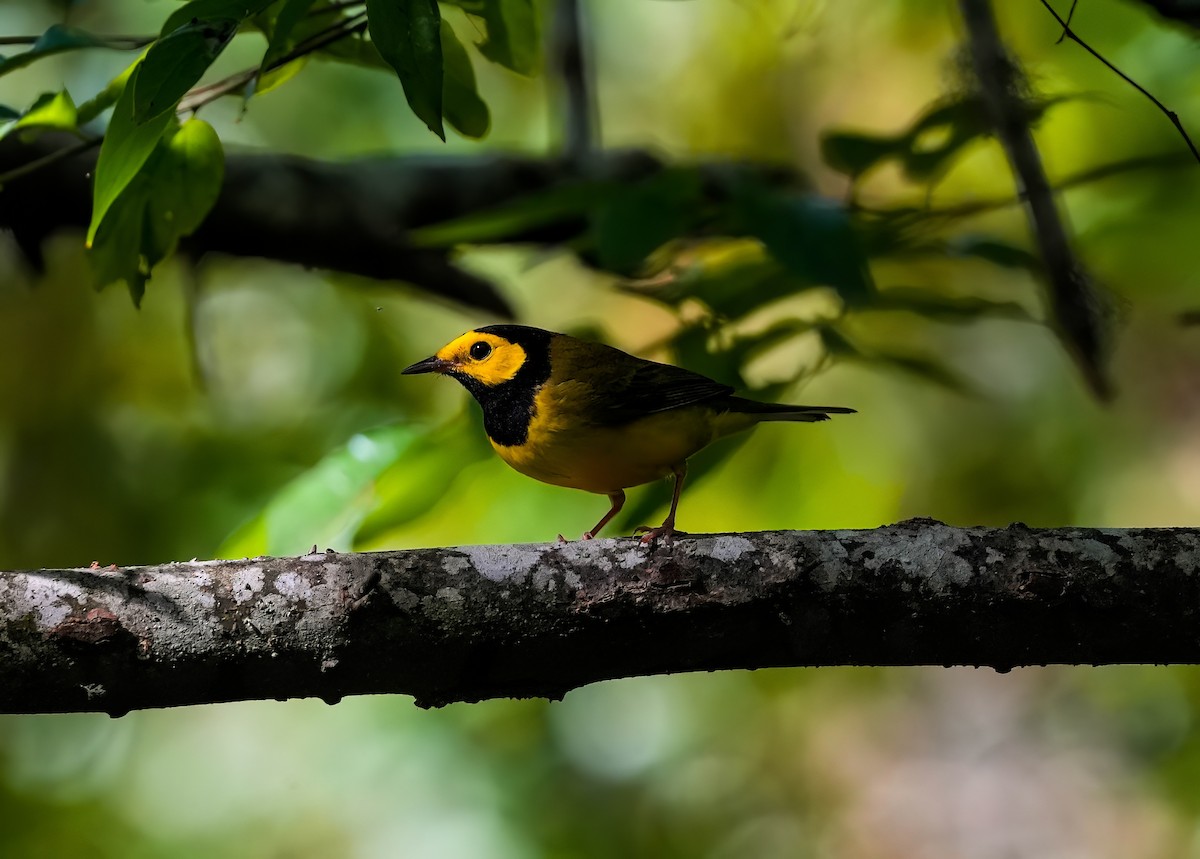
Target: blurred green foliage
246, 408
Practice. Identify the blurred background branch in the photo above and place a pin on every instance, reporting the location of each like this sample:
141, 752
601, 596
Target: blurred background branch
477, 622
1080, 309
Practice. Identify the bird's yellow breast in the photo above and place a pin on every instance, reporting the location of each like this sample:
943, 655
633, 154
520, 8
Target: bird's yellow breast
566, 449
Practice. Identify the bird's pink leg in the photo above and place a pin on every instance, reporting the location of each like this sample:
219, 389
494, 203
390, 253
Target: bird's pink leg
618, 501
667, 529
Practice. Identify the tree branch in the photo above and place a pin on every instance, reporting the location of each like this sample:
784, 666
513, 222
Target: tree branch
351, 217
477, 622
1078, 306
569, 61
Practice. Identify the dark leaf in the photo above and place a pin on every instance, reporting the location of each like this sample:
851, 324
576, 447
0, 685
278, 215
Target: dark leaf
199, 11
855, 154
408, 35
639, 218
731, 278
813, 237
512, 34
285, 33
356, 51
461, 104
940, 133
176, 62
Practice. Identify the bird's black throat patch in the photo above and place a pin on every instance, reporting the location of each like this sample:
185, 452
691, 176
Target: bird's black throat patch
508, 408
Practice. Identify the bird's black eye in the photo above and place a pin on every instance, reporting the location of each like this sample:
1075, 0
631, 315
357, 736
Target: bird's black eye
480, 350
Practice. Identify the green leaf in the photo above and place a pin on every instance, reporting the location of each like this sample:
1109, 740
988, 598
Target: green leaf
56, 40
125, 149
116, 253
356, 51
167, 199
640, 218
185, 175
416, 480
199, 11
811, 236
325, 504
52, 110
512, 35
286, 33
175, 63
461, 104
408, 35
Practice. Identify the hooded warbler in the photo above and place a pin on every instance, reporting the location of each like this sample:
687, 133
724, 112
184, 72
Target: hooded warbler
581, 414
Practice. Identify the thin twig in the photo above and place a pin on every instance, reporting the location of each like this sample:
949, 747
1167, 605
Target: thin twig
1077, 306
1070, 15
134, 42
568, 62
198, 97
1170, 114
49, 159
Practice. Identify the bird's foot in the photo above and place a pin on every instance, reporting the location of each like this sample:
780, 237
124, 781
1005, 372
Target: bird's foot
665, 532
587, 535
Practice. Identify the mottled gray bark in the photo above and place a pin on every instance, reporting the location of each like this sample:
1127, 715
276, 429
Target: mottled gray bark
469, 623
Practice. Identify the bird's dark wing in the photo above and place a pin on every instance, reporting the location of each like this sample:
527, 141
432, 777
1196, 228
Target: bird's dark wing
626, 388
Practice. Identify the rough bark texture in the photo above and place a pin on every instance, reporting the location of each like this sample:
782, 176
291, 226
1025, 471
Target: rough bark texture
476, 622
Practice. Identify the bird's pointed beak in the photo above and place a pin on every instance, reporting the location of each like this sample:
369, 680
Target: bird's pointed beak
432, 364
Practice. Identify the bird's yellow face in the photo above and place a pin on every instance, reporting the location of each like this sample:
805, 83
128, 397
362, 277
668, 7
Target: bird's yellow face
481, 356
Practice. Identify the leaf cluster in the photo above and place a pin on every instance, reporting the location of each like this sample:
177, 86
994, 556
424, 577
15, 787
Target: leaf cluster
159, 171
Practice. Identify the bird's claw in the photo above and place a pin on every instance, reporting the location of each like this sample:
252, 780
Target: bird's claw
664, 532
587, 535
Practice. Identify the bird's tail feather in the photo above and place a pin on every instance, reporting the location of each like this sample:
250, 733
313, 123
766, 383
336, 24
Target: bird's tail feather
783, 412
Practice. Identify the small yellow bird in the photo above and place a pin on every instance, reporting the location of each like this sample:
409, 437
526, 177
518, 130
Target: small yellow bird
584, 415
